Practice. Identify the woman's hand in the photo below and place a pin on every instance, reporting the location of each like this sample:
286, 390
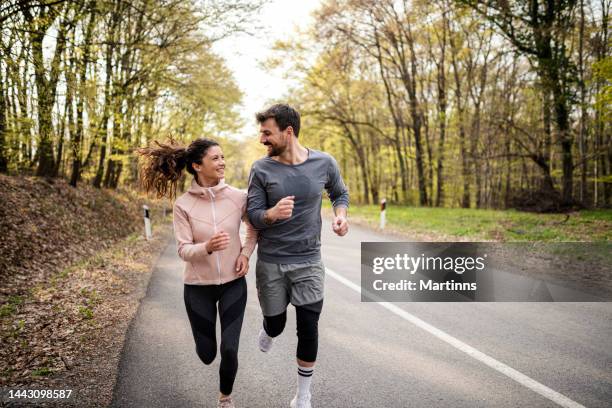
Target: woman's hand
242, 265
218, 242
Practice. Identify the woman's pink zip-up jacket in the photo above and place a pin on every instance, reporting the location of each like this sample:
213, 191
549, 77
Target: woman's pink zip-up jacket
198, 214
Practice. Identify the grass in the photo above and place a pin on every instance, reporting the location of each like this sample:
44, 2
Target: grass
42, 372
491, 225
85, 312
10, 307
92, 297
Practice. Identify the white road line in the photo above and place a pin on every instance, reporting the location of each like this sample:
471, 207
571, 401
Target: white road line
517, 376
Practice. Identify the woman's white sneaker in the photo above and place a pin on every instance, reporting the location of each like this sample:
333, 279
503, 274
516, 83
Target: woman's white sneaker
265, 341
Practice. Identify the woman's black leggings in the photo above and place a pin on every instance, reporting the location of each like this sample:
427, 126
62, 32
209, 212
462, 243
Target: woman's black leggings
307, 322
201, 303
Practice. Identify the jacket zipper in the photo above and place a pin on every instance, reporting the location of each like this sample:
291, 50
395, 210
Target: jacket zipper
214, 214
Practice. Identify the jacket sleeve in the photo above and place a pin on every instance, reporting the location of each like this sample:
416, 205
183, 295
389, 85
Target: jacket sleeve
251, 237
257, 201
336, 189
187, 249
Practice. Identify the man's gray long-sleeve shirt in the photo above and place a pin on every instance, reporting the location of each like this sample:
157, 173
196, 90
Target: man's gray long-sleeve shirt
298, 238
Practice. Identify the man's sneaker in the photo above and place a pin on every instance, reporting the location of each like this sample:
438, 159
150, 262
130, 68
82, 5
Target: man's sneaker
302, 402
225, 403
265, 341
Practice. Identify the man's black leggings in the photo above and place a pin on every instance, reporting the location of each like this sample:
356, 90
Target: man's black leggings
307, 322
201, 303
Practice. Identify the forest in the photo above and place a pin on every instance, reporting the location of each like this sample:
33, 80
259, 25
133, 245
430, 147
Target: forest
86, 82
473, 104
451, 103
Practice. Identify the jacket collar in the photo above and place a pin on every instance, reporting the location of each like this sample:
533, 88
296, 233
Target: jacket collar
207, 192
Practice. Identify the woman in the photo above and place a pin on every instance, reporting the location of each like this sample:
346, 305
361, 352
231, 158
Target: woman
206, 225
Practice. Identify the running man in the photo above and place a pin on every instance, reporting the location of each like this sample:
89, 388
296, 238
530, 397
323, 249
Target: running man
284, 204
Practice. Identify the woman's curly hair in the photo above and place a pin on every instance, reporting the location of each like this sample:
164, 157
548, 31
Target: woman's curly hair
162, 166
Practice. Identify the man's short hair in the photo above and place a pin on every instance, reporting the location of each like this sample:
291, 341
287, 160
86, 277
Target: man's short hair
283, 114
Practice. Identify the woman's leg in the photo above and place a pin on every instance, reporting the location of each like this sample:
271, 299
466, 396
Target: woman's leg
200, 302
231, 312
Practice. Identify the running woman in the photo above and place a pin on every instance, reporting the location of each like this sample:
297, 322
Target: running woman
284, 205
206, 227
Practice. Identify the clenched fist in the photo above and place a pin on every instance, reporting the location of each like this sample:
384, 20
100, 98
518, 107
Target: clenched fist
218, 242
281, 211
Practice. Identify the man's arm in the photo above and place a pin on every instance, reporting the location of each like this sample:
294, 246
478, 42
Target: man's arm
259, 214
338, 194
257, 202
340, 212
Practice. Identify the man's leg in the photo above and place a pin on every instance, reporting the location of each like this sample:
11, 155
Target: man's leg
272, 291
307, 296
307, 319
274, 325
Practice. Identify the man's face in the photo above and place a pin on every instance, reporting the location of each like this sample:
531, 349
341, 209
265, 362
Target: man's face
272, 137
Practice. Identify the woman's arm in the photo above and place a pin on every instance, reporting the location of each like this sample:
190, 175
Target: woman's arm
187, 249
251, 237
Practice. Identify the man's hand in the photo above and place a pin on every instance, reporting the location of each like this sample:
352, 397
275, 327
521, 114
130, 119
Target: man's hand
340, 225
219, 241
242, 265
281, 211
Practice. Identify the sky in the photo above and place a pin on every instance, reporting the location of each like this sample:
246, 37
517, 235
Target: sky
244, 55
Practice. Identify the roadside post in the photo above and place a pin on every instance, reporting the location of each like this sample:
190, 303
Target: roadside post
383, 210
147, 222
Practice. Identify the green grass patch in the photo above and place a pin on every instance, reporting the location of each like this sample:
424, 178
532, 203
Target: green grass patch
91, 296
133, 237
42, 372
496, 225
85, 312
10, 307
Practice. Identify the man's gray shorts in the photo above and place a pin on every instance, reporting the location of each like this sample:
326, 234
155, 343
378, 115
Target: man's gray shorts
280, 284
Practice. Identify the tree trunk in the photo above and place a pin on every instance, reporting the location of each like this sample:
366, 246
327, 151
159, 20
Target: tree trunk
3, 158
46, 164
441, 85
465, 167
46, 90
108, 99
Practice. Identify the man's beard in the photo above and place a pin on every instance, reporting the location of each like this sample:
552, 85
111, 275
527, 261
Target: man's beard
276, 150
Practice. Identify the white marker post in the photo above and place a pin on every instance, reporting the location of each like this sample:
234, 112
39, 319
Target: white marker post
383, 210
147, 222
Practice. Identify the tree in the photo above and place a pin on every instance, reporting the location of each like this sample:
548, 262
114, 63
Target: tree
538, 29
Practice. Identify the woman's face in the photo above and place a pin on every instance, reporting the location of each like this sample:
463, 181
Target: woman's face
212, 166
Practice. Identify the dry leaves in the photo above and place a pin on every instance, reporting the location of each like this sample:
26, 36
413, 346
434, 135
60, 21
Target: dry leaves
73, 267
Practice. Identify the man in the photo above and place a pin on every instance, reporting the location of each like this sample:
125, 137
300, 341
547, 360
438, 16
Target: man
284, 204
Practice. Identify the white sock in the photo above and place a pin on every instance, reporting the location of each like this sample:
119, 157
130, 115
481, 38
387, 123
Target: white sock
304, 380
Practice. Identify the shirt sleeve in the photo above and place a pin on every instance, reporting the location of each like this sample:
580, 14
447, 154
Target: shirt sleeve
188, 251
257, 201
336, 189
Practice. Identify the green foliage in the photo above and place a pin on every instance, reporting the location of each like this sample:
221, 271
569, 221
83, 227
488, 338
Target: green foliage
92, 297
602, 72
42, 372
86, 313
10, 307
136, 71
372, 78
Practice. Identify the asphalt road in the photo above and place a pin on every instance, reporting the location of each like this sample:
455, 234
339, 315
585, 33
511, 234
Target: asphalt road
376, 355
